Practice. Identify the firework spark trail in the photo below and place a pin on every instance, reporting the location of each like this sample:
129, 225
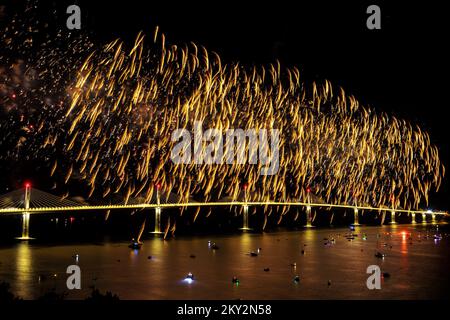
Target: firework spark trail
330, 143
119, 107
36, 63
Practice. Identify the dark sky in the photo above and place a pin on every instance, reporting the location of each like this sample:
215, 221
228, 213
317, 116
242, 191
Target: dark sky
401, 68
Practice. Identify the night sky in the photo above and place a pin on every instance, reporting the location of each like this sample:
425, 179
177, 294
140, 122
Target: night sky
400, 69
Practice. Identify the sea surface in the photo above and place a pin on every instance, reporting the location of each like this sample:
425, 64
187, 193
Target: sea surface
329, 265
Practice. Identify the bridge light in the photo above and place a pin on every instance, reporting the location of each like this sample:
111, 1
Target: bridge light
27, 184
158, 186
245, 186
308, 189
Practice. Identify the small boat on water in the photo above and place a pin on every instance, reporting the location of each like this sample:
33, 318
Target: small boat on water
350, 236
253, 254
190, 276
135, 245
380, 255
213, 245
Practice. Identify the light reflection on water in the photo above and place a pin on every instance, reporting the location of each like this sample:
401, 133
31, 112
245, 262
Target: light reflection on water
158, 270
24, 268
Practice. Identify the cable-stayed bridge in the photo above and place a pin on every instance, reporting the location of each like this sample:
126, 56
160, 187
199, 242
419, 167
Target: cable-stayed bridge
27, 201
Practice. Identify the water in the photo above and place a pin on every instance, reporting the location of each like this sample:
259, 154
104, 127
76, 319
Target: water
418, 270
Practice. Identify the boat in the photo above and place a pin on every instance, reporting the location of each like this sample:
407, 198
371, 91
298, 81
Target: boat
214, 246
135, 245
190, 276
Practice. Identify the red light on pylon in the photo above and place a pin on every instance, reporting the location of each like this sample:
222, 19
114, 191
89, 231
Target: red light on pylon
245, 186
308, 189
158, 185
27, 184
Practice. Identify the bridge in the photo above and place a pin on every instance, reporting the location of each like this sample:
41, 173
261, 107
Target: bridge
27, 201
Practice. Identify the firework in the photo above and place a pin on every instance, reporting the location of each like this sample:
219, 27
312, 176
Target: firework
342, 151
109, 112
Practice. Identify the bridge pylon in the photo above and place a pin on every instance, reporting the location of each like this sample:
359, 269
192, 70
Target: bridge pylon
308, 217
424, 218
26, 215
157, 228
356, 217
308, 209
413, 218
393, 217
245, 219
355, 213
245, 226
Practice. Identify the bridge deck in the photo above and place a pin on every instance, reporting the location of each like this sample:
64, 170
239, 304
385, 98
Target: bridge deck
205, 204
